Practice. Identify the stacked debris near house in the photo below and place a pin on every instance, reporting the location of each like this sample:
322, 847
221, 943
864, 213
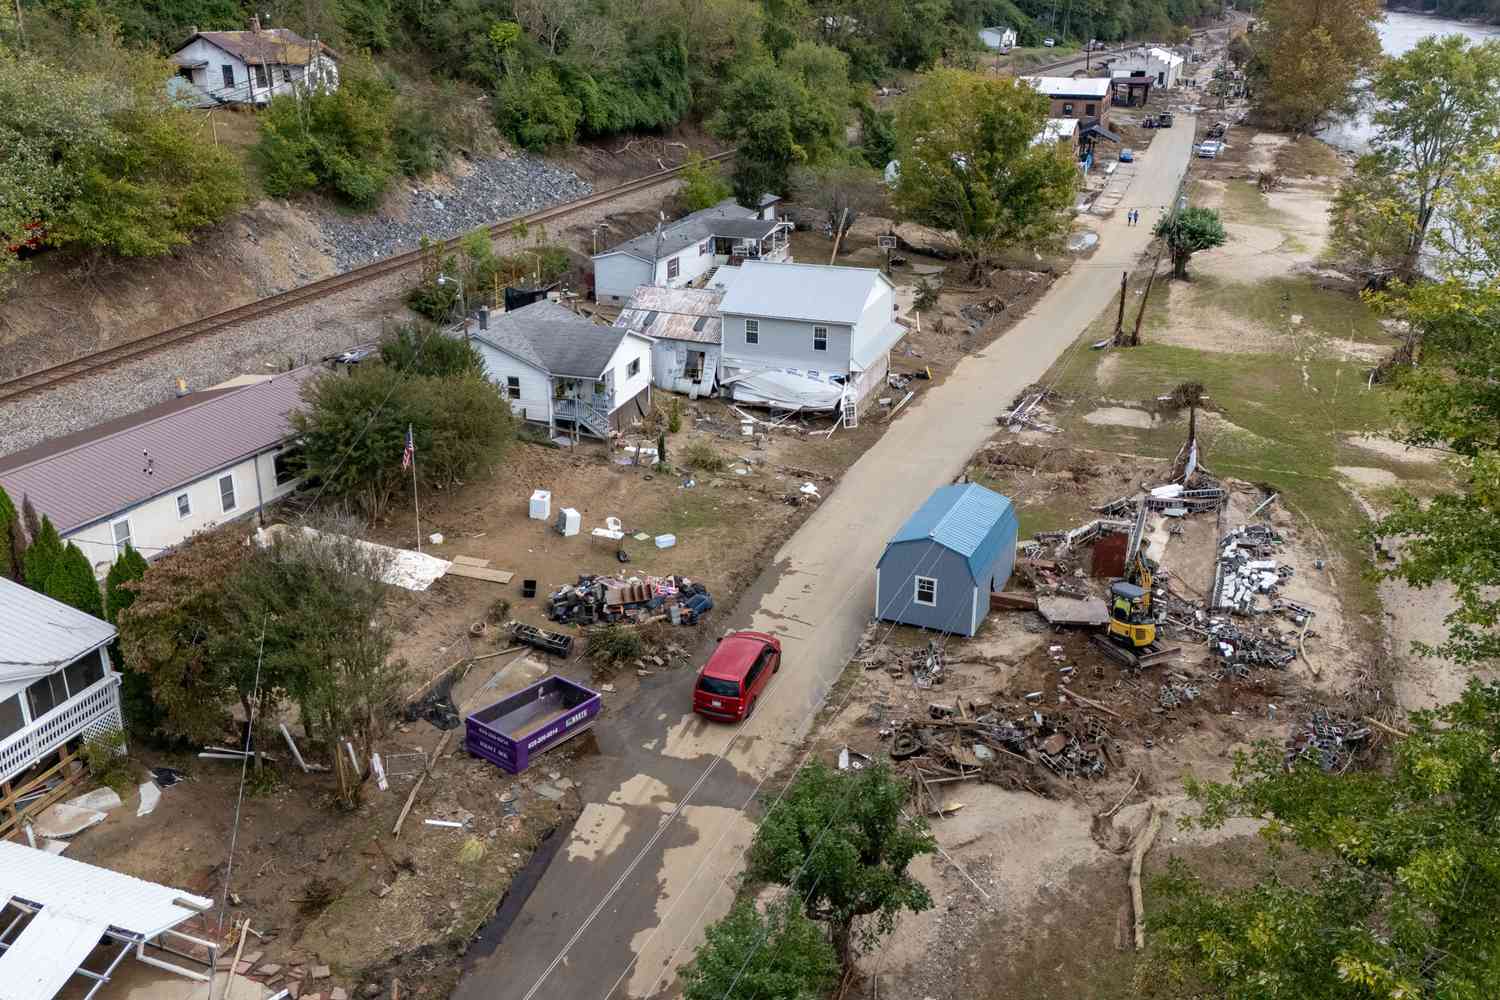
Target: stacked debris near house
1329, 740
1246, 568
597, 599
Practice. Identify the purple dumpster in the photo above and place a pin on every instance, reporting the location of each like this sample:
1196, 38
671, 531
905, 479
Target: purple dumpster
515, 729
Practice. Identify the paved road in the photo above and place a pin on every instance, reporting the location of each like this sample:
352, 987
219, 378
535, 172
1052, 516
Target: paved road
648, 862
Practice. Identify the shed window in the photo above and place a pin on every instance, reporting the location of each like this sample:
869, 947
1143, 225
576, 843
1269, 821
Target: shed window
262, 78
83, 673
924, 591
226, 492
184, 505
228, 76
633, 369
820, 338
513, 386
121, 531
10, 717
752, 331
674, 268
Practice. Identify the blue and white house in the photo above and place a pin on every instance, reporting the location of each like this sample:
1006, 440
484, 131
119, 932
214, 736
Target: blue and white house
938, 571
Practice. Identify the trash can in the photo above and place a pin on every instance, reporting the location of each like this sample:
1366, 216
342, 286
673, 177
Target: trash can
528, 588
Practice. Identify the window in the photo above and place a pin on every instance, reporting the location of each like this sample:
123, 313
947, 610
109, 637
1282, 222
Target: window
703, 249
46, 694
1088, 109
285, 464
83, 673
286, 74
752, 331
226, 492
262, 78
1067, 109
674, 268
925, 591
228, 76
722, 688
184, 505
512, 387
699, 324
820, 338
10, 717
121, 530
633, 369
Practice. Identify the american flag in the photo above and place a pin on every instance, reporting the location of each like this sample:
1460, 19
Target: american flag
411, 450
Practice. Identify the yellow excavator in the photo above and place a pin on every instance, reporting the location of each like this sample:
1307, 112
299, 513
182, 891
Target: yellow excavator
1131, 630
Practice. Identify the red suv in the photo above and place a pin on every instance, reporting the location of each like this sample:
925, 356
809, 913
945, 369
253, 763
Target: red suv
732, 680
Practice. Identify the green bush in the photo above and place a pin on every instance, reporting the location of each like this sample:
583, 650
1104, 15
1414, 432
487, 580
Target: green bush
72, 581
107, 763
419, 349
533, 109
43, 556
702, 456
612, 645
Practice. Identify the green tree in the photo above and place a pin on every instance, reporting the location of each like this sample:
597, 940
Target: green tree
1308, 56
968, 162
420, 349
128, 567
778, 955
1371, 222
877, 136
777, 123
43, 556
8, 526
335, 140
1436, 116
1187, 232
72, 581
532, 108
839, 841
1400, 903
703, 184
141, 712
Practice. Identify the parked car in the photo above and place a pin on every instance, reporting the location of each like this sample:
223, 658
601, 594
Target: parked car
738, 670
1127, 156
1209, 150
1097, 46
1164, 120
1049, 42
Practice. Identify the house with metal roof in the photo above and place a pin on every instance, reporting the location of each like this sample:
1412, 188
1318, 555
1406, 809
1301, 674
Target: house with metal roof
939, 570
564, 370
807, 336
153, 478
1086, 98
1162, 67
684, 327
252, 67
56, 686
690, 250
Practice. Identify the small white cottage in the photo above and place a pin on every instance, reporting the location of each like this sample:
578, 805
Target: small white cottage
251, 67
559, 369
998, 38
684, 325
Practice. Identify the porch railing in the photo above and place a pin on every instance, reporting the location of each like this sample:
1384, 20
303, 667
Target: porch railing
93, 711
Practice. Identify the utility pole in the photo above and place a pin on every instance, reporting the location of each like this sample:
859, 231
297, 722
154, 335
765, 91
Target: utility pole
1135, 336
1120, 319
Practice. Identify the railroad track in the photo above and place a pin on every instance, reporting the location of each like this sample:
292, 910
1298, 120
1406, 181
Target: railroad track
197, 329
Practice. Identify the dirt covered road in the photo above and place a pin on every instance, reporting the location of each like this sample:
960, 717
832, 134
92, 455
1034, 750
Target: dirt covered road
653, 857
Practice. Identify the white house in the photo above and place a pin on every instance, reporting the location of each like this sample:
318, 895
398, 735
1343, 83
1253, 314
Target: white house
155, 477
251, 67
809, 336
999, 38
684, 325
1161, 66
685, 251
55, 681
558, 368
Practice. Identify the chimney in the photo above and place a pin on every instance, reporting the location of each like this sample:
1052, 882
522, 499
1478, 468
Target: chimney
255, 23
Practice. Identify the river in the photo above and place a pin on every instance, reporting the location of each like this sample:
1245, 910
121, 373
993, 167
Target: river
1399, 33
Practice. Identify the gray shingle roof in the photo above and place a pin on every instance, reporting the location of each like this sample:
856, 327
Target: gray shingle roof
807, 292
266, 47
554, 339
728, 218
690, 314
37, 632
93, 474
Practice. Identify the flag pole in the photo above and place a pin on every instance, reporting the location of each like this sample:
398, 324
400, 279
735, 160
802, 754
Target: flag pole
416, 507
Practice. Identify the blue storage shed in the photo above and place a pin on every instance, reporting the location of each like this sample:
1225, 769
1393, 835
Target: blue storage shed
938, 570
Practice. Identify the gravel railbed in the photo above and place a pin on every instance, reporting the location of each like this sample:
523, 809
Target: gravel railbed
493, 189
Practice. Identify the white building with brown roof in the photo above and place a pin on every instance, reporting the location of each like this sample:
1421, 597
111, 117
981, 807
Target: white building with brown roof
251, 67
156, 477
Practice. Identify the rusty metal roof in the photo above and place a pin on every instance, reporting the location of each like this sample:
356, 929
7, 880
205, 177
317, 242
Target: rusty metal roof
85, 477
267, 47
690, 314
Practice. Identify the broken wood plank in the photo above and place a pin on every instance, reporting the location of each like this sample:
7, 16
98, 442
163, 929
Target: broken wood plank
1089, 702
436, 753
1012, 602
480, 573
471, 561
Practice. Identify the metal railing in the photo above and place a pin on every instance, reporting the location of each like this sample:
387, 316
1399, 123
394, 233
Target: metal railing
95, 710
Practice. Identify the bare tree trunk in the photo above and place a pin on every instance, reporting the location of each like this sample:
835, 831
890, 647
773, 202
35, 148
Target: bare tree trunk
843, 942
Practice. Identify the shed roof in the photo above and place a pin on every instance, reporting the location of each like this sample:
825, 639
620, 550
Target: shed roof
809, 292
1067, 86
967, 519
266, 47
39, 634
728, 218
83, 477
690, 314
553, 339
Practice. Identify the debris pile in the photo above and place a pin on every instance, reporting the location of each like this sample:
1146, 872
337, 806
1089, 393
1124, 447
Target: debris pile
1329, 740
1244, 647
1245, 568
597, 599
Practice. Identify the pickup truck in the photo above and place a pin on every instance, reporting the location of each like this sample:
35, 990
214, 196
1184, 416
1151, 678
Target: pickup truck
1209, 150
